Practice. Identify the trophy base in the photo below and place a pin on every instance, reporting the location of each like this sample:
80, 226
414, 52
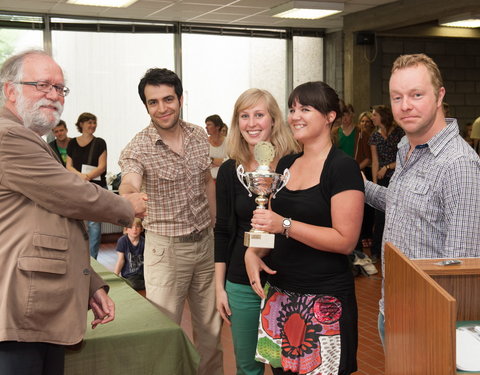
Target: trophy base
262, 240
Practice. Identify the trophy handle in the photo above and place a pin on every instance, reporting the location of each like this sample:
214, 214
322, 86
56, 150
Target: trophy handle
241, 175
285, 178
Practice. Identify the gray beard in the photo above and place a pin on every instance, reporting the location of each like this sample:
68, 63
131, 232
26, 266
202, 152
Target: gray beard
33, 118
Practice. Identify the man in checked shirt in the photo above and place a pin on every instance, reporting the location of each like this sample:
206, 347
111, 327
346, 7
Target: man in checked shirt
169, 160
432, 205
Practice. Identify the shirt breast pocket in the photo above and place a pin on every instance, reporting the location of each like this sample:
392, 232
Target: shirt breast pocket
421, 202
420, 189
166, 180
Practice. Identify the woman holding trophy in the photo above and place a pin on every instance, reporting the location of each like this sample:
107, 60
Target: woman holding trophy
256, 118
308, 321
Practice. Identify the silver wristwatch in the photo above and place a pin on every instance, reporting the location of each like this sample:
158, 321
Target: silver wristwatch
286, 224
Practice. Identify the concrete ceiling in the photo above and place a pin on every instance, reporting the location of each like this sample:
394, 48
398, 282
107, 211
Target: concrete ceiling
226, 12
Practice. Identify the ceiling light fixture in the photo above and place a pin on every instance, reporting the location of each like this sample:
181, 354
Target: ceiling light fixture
469, 20
103, 3
307, 9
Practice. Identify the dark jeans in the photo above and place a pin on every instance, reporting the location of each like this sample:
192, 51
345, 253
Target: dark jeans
31, 358
379, 224
137, 282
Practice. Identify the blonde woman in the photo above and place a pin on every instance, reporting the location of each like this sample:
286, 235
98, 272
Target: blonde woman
256, 117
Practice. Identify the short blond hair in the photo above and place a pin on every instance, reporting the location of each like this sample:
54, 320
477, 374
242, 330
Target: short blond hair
407, 61
137, 221
281, 138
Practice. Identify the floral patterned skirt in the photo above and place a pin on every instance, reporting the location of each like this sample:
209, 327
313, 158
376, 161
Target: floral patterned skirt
304, 333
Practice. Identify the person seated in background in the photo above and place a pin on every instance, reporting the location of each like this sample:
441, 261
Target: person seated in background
214, 125
130, 256
60, 143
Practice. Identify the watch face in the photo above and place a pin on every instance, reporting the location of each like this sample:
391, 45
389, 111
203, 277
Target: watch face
287, 223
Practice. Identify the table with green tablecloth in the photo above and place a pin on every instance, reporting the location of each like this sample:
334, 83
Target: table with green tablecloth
141, 340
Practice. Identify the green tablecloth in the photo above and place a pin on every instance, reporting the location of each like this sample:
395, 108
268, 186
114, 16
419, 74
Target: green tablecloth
141, 340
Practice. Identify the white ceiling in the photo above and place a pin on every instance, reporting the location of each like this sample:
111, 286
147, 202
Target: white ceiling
228, 12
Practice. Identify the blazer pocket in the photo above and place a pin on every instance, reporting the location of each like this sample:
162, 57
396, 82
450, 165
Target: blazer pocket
34, 264
48, 246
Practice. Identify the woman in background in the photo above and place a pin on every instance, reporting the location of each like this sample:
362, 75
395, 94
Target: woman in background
87, 157
308, 322
383, 143
214, 125
366, 125
256, 117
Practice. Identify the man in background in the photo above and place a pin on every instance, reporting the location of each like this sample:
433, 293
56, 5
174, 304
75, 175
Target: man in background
432, 204
46, 281
170, 160
60, 143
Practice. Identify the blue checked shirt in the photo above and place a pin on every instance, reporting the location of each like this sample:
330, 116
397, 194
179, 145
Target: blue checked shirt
432, 204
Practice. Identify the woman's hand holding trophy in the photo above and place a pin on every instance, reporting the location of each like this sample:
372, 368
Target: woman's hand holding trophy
262, 182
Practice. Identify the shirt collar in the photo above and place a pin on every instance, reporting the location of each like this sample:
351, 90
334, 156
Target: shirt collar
155, 137
439, 140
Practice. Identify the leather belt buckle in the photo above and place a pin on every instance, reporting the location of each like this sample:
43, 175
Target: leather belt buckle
192, 237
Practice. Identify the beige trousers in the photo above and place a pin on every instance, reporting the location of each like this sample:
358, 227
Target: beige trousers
175, 271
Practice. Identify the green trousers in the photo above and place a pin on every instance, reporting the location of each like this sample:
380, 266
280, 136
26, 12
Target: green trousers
245, 306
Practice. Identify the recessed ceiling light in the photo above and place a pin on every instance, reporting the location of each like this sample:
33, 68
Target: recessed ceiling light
469, 20
307, 9
103, 3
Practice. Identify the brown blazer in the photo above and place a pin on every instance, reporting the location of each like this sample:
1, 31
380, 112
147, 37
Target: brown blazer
45, 274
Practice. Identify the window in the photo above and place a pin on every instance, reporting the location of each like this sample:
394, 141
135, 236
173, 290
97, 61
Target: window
102, 71
13, 41
218, 68
307, 59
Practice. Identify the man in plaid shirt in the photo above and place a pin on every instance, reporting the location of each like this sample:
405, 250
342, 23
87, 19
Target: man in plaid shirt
169, 160
432, 205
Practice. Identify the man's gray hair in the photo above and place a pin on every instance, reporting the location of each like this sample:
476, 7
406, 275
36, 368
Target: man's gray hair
12, 71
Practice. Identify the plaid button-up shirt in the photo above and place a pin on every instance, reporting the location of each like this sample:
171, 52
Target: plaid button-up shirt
175, 185
432, 204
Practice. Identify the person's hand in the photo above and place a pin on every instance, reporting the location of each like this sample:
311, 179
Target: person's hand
254, 265
381, 173
103, 308
222, 306
137, 200
85, 176
267, 220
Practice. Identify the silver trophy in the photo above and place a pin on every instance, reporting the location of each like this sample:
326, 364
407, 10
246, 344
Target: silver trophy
262, 182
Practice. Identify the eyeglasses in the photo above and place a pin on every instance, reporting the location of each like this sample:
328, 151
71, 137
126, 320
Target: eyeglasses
47, 87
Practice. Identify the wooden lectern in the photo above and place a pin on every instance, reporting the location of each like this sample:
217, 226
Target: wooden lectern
423, 302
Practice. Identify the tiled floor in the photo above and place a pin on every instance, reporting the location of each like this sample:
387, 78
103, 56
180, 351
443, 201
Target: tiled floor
370, 353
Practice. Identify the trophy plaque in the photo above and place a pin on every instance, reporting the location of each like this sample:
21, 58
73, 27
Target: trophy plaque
262, 182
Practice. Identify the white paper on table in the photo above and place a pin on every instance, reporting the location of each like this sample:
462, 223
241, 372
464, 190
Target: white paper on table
86, 169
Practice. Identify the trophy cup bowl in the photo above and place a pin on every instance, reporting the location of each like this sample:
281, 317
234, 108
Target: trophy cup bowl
262, 183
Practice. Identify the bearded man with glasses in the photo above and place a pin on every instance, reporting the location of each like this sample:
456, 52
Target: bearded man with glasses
46, 281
